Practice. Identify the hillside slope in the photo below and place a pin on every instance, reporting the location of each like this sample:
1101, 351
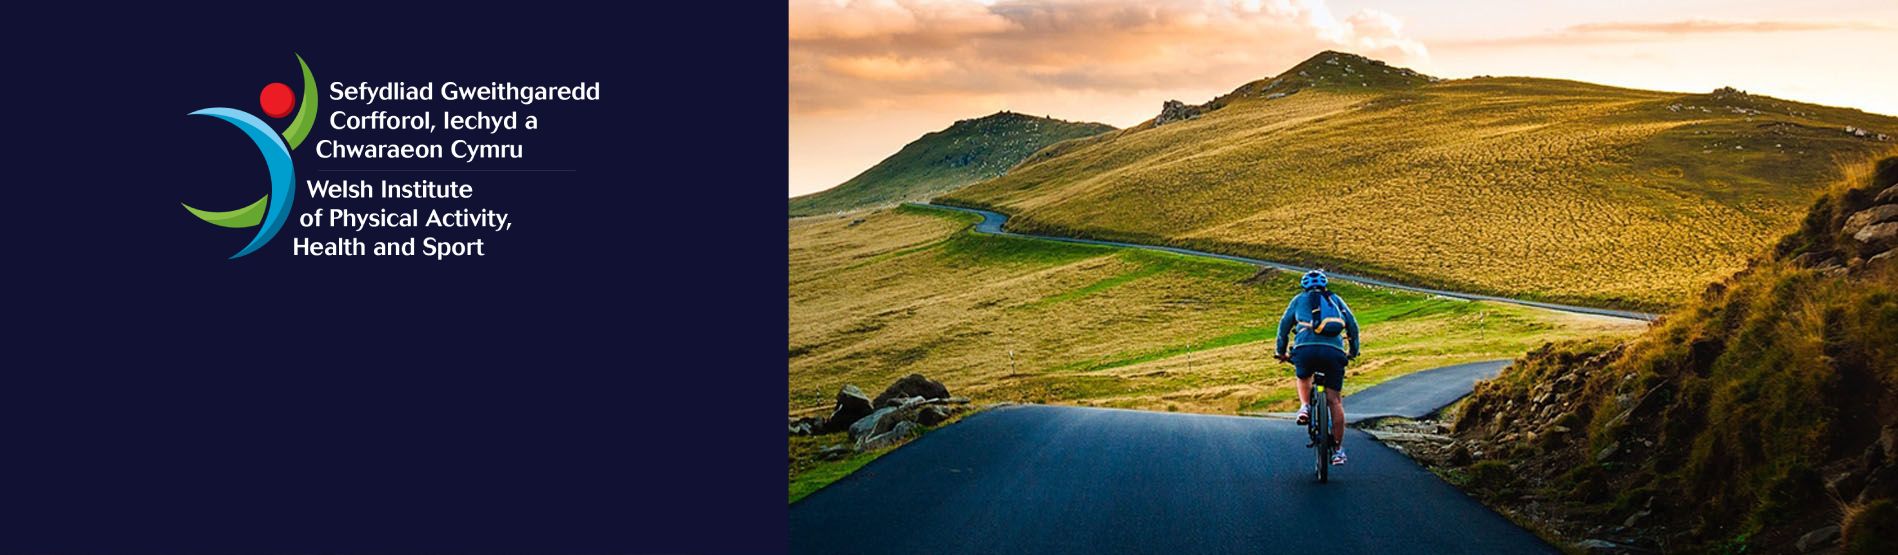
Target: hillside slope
971, 150
883, 293
1537, 188
1761, 414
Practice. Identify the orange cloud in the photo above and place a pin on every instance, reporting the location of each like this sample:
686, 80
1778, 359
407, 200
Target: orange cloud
864, 19
846, 55
1635, 31
888, 68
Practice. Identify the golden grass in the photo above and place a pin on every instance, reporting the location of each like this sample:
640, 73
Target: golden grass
1540, 188
1009, 319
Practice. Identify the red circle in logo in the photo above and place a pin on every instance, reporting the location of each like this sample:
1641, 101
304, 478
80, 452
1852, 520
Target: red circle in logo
277, 100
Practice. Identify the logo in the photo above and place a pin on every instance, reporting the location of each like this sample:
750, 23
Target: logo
269, 213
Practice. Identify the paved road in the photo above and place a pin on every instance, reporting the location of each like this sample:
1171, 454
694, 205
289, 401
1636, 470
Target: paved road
1417, 394
1045, 479
992, 223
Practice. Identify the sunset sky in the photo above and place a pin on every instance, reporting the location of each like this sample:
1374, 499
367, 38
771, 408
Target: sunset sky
868, 77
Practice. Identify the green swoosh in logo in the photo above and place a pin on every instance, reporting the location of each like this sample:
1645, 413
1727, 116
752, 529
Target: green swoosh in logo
251, 216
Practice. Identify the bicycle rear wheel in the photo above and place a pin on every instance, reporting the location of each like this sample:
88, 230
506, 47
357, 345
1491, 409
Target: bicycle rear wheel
1321, 424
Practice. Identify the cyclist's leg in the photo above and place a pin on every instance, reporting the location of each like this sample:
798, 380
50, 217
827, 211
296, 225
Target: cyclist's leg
1334, 391
1336, 399
1302, 371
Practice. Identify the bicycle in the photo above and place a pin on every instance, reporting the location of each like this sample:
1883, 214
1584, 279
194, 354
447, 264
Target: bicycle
1318, 426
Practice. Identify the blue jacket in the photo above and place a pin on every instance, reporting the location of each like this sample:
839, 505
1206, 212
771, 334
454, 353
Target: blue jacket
1289, 323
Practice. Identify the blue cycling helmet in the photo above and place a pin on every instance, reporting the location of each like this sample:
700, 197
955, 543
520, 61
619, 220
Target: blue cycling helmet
1313, 280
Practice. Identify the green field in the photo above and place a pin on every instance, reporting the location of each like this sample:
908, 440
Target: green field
971, 150
1536, 188
877, 295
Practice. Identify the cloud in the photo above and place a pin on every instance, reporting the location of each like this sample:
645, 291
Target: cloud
853, 55
1640, 31
849, 19
888, 68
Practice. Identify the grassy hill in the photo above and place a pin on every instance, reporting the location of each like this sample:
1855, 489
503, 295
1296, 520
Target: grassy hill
877, 295
969, 151
1763, 412
1539, 188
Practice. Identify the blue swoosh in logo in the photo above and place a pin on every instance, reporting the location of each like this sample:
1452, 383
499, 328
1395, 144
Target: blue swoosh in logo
282, 177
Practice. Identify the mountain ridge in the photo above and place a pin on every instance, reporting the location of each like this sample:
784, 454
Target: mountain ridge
967, 151
1525, 187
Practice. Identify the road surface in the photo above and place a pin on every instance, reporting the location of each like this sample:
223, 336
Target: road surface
992, 223
1049, 480
1417, 394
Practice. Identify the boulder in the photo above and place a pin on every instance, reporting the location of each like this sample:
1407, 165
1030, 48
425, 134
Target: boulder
834, 452
809, 425
1608, 452
1459, 455
1874, 215
933, 414
875, 423
1880, 482
1818, 538
1845, 484
913, 385
852, 405
1878, 234
901, 431
1890, 194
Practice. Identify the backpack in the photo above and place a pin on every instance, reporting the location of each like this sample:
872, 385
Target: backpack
1322, 314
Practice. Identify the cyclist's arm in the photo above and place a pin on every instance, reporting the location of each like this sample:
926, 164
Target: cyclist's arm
1285, 328
1350, 325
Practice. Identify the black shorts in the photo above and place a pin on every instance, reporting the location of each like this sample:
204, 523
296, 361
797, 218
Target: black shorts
1311, 359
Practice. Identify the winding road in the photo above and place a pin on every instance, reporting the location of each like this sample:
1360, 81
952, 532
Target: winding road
1417, 394
1049, 479
992, 224
1054, 479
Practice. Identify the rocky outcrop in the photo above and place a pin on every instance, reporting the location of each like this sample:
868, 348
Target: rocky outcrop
1174, 110
873, 430
1890, 194
903, 410
1883, 235
1874, 215
1865, 221
1863, 133
1875, 228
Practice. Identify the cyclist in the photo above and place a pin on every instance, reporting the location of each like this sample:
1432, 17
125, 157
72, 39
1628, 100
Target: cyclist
1323, 323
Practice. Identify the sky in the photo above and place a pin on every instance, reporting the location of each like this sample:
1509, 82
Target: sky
867, 77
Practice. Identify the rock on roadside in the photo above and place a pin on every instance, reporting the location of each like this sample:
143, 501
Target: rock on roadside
913, 385
903, 410
897, 434
852, 405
